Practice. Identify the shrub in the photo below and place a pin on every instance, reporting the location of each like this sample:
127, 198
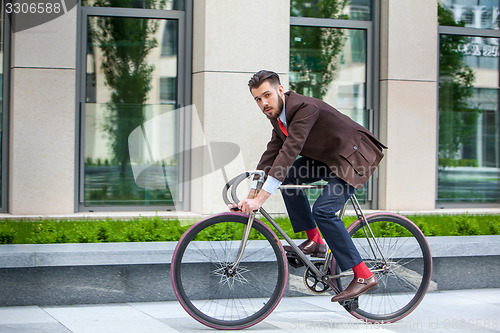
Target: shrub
494, 227
103, 233
7, 234
148, 229
48, 233
153, 229
92, 232
465, 225
427, 228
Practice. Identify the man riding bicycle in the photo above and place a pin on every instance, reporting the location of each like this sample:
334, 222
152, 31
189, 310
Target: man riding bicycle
332, 147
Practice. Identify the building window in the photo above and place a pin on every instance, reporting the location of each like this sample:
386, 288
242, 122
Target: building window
330, 59
169, 39
333, 9
131, 154
479, 14
469, 120
144, 4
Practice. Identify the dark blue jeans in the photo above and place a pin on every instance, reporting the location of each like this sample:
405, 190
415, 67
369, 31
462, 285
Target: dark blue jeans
324, 211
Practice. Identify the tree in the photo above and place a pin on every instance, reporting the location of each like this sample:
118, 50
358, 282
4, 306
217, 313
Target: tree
313, 71
125, 43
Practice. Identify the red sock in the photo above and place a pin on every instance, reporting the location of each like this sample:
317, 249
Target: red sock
314, 235
361, 271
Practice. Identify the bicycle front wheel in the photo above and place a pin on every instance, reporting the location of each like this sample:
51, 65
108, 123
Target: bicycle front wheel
401, 259
214, 292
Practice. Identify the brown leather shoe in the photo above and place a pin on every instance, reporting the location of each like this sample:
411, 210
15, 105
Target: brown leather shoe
357, 287
310, 247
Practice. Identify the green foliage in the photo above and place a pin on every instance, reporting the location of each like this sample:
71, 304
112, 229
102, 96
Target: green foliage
150, 229
451, 162
91, 232
48, 233
222, 232
494, 227
427, 228
6, 234
385, 229
315, 51
465, 226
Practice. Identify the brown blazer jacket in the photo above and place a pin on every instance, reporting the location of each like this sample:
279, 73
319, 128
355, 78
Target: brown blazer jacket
318, 131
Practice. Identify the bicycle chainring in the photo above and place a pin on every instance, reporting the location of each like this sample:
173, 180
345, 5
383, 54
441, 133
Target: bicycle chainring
312, 282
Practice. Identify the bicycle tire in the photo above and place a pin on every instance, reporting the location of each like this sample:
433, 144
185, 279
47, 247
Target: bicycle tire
403, 285
223, 300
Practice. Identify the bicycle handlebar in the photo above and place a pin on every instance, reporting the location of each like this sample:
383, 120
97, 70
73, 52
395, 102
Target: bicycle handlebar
233, 185
235, 182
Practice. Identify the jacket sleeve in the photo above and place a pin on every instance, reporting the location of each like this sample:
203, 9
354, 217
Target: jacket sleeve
298, 131
272, 150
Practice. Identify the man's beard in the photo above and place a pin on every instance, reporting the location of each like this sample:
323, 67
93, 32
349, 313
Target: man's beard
276, 113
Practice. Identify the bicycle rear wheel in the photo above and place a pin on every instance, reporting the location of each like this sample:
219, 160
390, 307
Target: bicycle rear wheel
214, 294
404, 276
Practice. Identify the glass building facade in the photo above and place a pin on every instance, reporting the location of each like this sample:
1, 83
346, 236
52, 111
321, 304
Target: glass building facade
469, 127
139, 64
329, 58
130, 123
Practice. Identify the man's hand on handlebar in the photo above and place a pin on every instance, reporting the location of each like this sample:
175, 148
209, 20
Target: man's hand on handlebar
252, 203
233, 207
248, 206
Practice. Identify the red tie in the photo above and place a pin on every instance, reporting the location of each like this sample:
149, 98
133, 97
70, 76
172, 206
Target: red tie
283, 128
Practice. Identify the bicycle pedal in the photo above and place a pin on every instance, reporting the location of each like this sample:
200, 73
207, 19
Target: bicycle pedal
294, 260
350, 304
312, 255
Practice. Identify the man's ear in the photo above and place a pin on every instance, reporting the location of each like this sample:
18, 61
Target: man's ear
281, 89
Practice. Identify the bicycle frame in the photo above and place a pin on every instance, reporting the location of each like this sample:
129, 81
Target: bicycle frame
319, 274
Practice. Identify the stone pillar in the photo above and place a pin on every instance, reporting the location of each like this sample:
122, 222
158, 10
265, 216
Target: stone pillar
42, 118
231, 41
408, 104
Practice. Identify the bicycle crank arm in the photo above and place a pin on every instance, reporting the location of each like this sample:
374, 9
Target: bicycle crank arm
331, 283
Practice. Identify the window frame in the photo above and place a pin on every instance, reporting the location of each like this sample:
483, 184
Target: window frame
5, 161
372, 29
183, 97
468, 32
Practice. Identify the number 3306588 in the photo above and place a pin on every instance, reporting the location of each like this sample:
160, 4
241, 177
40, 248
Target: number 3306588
33, 8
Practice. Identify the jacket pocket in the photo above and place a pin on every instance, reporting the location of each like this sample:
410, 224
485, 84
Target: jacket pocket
360, 156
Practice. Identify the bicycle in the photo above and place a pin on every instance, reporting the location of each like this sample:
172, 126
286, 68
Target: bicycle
244, 267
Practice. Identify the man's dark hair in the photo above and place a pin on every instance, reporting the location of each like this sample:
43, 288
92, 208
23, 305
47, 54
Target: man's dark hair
261, 76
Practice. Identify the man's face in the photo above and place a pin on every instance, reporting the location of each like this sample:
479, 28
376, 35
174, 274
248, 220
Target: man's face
269, 98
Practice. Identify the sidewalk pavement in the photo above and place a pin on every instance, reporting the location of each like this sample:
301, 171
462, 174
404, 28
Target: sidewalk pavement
442, 311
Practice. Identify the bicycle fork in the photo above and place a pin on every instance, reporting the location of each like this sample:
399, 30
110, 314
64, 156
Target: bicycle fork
243, 243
